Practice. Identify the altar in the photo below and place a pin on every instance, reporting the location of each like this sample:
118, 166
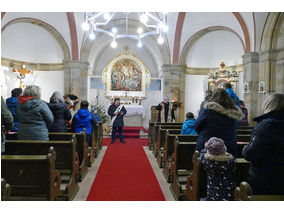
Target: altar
134, 115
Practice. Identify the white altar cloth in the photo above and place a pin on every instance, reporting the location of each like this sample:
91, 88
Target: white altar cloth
135, 110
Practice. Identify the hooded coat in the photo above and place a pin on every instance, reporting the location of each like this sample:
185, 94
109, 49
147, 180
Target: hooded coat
216, 121
6, 122
61, 115
82, 120
34, 118
266, 154
233, 95
188, 127
12, 104
220, 170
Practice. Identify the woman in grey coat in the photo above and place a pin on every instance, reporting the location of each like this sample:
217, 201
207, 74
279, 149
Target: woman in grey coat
34, 115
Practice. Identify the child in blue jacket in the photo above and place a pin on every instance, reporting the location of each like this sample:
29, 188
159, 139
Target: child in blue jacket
188, 125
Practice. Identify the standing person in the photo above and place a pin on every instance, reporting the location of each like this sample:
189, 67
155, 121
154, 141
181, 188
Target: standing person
217, 119
164, 108
34, 115
208, 95
60, 112
117, 111
95, 114
6, 123
188, 125
228, 88
244, 121
12, 104
265, 150
220, 167
83, 120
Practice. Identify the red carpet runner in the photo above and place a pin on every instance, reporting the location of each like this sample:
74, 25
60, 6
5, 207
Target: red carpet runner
125, 174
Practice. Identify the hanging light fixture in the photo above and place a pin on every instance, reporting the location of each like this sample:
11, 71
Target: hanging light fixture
153, 25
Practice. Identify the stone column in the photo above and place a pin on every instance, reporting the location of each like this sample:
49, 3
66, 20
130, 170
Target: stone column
174, 77
280, 73
251, 75
76, 78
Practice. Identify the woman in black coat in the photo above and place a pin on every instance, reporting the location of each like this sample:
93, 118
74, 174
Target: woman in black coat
218, 119
266, 148
60, 112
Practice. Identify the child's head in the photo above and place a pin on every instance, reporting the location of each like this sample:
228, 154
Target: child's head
215, 146
189, 115
84, 104
94, 110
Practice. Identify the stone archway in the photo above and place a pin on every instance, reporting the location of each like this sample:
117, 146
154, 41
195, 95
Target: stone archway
59, 38
201, 33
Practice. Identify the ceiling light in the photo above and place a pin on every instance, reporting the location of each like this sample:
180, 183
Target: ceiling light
160, 40
139, 44
113, 44
114, 30
85, 26
144, 18
139, 30
106, 16
92, 36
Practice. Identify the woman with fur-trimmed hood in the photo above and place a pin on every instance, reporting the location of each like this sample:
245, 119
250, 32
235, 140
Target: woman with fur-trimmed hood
218, 119
220, 167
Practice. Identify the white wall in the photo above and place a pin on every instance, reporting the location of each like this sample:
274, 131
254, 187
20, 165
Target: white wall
48, 81
214, 47
31, 43
195, 87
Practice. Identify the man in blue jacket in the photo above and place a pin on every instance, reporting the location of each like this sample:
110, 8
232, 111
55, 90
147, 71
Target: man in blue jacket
228, 88
12, 104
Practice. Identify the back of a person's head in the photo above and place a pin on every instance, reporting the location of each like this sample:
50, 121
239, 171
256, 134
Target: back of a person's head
242, 103
56, 97
32, 90
84, 104
208, 92
227, 86
273, 102
221, 97
16, 92
189, 115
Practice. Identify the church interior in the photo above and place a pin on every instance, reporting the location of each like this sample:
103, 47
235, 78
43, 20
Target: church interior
140, 58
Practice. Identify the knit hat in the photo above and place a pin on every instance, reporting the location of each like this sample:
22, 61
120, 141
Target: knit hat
215, 146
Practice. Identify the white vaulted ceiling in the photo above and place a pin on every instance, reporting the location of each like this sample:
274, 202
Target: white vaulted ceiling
76, 39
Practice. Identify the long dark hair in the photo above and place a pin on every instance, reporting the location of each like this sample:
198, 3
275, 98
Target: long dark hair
221, 97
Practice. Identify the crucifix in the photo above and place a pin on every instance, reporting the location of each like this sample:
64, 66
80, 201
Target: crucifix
21, 73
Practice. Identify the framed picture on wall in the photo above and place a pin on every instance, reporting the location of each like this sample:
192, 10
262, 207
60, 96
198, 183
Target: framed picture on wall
246, 87
261, 87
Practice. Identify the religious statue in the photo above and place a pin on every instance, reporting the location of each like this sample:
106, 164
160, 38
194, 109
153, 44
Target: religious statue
22, 73
175, 95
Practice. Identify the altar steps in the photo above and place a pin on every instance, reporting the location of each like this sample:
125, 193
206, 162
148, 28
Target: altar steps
132, 131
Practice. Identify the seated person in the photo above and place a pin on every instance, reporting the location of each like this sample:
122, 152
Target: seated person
220, 168
188, 125
83, 120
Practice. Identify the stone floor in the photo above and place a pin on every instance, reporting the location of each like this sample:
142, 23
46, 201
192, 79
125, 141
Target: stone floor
86, 184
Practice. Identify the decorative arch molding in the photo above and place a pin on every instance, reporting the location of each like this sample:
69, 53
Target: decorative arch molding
73, 35
179, 27
47, 27
201, 33
87, 43
2, 15
267, 41
245, 31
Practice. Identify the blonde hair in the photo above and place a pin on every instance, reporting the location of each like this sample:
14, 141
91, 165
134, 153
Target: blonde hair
273, 102
32, 90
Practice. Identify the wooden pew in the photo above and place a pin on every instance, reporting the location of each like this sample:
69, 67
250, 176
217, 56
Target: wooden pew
67, 160
197, 180
243, 131
247, 127
244, 193
181, 166
5, 190
169, 149
158, 136
32, 177
161, 142
81, 148
153, 131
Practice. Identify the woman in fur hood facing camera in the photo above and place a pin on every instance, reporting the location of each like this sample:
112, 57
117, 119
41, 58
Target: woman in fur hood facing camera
218, 119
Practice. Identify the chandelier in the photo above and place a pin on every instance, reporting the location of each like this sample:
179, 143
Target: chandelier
95, 22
